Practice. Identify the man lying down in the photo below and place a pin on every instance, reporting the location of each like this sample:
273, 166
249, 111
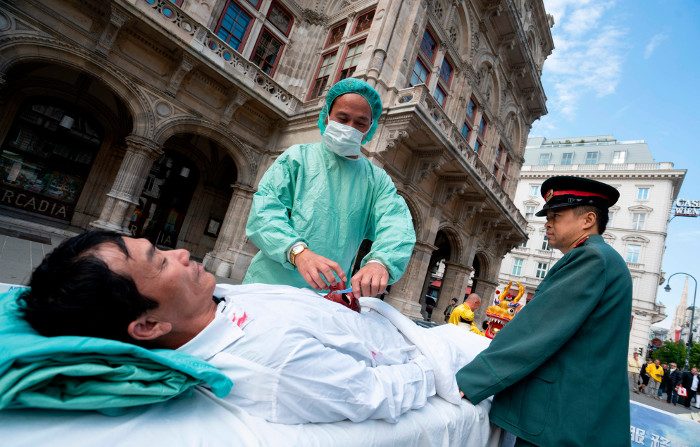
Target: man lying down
294, 357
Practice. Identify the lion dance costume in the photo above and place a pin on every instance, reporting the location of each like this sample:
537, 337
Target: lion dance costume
503, 309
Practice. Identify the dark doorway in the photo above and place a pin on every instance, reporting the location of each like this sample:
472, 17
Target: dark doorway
165, 199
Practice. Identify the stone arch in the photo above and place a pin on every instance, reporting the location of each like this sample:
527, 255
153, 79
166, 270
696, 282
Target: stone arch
14, 50
457, 248
242, 153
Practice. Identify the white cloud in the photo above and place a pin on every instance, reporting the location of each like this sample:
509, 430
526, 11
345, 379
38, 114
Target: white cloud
653, 44
588, 53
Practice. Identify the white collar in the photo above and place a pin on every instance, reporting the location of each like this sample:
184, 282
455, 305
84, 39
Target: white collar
224, 329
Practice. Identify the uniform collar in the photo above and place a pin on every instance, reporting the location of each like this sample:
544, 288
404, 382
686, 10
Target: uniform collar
224, 329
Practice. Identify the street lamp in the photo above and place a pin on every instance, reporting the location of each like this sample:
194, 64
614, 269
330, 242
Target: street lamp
692, 316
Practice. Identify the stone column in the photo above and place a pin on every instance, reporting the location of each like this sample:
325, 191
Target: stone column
405, 293
121, 200
232, 252
454, 285
485, 289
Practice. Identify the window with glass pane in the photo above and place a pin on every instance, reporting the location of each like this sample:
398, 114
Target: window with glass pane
567, 158
364, 22
465, 131
591, 158
352, 58
534, 190
638, 220
477, 145
619, 157
420, 73
176, 2
642, 193
336, 34
446, 72
517, 267
428, 45
482, 126
545, 243
529, 211
280, 18
233, 26
324, 73
471, 109
541, 270
544, 159
633, 251
254, 3
266, 52
440, 95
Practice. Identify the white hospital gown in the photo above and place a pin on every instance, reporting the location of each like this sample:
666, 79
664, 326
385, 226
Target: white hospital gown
295, 357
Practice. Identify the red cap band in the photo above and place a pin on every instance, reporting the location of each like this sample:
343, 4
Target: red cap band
572, 192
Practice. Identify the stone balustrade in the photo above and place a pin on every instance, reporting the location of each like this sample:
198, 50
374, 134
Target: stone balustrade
419, 97
206, 44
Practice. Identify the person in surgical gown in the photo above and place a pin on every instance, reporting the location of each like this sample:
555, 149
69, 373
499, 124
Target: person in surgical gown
319, 201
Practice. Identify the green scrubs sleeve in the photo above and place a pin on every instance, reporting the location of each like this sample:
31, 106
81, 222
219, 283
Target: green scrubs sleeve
391, 230
563, 303
268, 224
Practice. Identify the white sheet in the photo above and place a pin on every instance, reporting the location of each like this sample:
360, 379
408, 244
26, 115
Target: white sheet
201, 420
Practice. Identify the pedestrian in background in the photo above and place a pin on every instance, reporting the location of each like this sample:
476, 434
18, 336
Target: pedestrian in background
656, 373
673, 379
634, 364
448, 310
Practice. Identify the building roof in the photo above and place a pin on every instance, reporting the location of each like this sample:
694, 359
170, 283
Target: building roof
636, 151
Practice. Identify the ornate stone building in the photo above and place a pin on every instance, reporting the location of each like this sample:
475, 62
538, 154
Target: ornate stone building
638, 222
158, 118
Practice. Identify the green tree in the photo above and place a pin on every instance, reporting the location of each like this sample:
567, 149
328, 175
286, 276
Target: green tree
671, 352
695, 355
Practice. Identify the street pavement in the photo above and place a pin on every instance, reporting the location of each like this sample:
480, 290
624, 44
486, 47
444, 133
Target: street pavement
662, 405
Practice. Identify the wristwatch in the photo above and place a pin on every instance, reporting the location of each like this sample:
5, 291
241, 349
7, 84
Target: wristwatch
295, 250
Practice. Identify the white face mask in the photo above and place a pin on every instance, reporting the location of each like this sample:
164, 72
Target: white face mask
341, 139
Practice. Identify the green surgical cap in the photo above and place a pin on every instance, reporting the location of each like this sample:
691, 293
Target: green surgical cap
360, 87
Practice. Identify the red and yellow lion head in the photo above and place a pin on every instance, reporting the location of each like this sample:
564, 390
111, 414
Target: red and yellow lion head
503, 309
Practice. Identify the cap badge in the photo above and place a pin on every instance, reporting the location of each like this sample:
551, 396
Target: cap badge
549, 195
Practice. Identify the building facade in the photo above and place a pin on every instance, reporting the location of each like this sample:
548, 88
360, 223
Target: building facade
638, 221
157, 118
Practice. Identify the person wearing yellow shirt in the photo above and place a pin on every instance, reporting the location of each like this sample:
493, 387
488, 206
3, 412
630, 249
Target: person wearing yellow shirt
464, 313
656, 373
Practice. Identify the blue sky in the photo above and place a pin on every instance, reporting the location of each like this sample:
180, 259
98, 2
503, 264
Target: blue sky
631, 69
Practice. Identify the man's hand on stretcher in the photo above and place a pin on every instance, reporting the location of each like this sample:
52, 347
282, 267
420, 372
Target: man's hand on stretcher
319, 272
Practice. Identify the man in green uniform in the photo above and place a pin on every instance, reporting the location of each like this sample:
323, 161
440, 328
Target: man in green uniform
318, 202
539, 366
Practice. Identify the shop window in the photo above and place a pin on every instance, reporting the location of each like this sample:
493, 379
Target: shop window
352, 58
280, 18
234, 25
363, 23
324, 72
46, 158
266, 52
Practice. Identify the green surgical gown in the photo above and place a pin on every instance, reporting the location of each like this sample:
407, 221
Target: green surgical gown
331, 203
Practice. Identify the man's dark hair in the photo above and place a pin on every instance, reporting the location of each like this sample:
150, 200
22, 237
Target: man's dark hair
601, 219
73, 292
454, 299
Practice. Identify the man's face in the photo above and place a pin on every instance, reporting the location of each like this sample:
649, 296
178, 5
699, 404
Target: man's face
352, 110
657, 362
673, 366
181, 287
564, 227
694, 371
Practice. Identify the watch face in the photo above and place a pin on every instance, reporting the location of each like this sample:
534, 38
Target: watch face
298, 249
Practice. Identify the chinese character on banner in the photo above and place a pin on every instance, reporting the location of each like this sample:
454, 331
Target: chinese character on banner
637, 435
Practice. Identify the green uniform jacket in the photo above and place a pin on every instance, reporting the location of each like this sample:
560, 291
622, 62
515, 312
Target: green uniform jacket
332, 203
559, 368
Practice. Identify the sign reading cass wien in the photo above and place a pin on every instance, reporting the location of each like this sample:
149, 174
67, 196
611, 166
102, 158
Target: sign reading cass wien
687, 208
